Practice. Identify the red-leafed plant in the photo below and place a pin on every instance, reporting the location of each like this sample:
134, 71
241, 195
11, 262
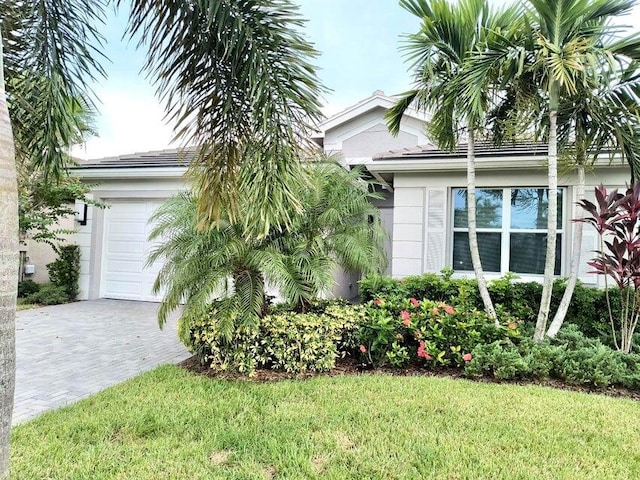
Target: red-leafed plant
616, 218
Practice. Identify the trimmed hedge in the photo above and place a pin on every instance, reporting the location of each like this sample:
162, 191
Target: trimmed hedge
588, 309
293, 342
572, 358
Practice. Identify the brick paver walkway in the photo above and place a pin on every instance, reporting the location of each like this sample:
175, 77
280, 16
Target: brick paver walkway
67, 352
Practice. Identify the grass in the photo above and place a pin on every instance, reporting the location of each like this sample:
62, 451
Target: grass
21, 304
171, 424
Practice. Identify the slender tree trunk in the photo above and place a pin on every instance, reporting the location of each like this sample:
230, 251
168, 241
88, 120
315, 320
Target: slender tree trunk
473, 234
8, 274
561, 314
552, 216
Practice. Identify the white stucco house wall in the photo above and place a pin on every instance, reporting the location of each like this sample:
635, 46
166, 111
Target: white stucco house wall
114, 241
423, 209
429, 231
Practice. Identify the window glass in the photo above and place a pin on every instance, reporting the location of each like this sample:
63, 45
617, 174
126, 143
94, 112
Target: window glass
529, 208
489, 245
488, 208
527, 253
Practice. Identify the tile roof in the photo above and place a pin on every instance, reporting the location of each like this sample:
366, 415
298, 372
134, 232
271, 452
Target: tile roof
160, 158
483, 149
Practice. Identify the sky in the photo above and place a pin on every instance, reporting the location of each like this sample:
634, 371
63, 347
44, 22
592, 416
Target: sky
358, 42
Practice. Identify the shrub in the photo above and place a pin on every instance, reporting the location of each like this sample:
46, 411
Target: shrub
65, 271
504, 362
27, 287
572, 358
397, 331
286, 341
49, 294
588, 309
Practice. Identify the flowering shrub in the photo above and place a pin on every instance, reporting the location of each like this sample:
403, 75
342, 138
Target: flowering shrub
397, 331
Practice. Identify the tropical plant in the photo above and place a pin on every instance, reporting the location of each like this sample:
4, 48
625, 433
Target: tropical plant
236, 81
336, 226
600, 121
616, 218
562, 53
439, 54
48, 53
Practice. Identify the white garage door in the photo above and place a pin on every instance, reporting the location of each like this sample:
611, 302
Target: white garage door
125, 249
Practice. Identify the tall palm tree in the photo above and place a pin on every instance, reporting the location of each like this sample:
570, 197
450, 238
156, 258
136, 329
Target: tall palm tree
602, 120
338, 225
237, 82
47, 57
566, 44
439, 54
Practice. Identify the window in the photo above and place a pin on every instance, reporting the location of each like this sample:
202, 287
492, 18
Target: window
512, 230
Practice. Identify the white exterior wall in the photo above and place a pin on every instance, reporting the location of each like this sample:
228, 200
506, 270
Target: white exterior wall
422, 227
362, 137
90, 236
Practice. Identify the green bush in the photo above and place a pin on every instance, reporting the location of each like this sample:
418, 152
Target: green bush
572, 358
27, 287
588, 308
49, 294
65, 271
287, 341
399, 330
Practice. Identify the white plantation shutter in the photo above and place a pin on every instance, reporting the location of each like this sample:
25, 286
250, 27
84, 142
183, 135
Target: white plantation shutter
589, 241
435, 229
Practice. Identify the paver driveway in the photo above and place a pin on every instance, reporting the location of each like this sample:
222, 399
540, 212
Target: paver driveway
67, 352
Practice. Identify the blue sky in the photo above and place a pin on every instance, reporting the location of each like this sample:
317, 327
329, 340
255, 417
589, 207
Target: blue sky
358, 41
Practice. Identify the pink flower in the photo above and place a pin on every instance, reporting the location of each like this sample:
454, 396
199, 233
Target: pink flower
363, 349
435, 311
422, 353
406, 322
449, 310
414, 302
511, 326
406, 318
377, 302
467, 357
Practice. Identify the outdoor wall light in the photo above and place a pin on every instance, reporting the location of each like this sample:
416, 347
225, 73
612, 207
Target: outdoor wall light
81, 212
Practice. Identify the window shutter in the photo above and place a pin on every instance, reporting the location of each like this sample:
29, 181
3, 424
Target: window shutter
589, 241
435, 229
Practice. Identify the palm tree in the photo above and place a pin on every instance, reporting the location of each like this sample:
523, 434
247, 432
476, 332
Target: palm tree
237, 81
337, 225
565, 45
602, 120
47, 57
439, 55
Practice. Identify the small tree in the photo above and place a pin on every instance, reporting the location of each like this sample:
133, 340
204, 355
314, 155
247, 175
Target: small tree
616, 218
337, 225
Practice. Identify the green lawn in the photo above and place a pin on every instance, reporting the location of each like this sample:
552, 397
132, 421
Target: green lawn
171, 424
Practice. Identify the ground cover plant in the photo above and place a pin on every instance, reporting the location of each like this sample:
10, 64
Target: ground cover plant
171, 423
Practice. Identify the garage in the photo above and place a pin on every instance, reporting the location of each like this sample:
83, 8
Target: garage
125, 275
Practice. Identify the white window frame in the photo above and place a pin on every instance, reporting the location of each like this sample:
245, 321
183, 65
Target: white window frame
505, 241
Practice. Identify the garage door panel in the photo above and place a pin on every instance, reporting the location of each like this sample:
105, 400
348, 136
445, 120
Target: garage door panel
126, 248
134, 248
128, 228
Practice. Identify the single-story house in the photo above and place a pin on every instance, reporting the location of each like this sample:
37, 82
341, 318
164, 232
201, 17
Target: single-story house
423, 210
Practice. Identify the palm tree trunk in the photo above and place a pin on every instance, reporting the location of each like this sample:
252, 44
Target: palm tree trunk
552, 216
473, 235
8, 274
560, 315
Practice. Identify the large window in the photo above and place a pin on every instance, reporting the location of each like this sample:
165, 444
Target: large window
512, 230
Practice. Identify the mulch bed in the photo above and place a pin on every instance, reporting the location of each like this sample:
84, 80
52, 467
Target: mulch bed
349, 366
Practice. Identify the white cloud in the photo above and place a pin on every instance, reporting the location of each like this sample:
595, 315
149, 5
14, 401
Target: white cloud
130, 121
